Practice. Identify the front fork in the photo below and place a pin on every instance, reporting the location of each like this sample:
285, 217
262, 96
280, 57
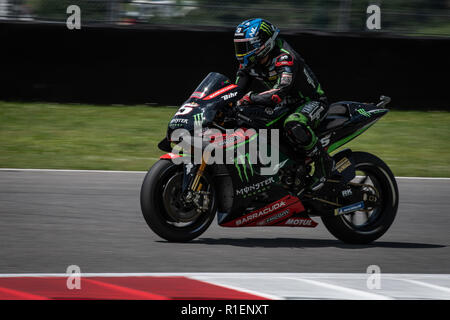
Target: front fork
192, 187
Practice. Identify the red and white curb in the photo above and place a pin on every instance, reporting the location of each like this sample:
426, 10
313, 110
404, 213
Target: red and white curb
218, 286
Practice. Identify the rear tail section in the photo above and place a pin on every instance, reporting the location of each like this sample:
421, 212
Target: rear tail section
348, 119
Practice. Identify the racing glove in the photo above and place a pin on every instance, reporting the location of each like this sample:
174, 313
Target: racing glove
245, 100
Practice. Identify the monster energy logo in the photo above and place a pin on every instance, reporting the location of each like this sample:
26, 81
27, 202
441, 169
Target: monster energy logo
266, 28
198, 119
363, 112
241, 160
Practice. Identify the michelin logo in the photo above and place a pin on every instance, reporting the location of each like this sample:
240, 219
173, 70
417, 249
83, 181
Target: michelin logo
350, 208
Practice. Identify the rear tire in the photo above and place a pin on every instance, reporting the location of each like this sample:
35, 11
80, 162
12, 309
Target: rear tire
343, 229
155, 213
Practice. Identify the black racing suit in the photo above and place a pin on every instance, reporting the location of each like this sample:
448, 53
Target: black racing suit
289, 80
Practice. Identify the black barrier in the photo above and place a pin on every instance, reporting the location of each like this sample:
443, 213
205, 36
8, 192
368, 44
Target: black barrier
133, 66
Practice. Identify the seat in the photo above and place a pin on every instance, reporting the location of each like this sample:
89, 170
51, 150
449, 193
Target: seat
338, 114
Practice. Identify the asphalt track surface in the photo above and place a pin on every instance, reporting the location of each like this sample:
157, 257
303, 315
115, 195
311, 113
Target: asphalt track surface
52, 219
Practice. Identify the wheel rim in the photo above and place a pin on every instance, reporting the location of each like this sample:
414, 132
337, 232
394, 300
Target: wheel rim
166, 199
173, 203
368, 219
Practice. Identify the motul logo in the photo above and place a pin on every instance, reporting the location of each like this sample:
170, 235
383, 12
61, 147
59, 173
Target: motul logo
261, 213
299, 222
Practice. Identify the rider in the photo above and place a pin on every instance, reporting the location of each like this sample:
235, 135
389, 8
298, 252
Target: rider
271, 60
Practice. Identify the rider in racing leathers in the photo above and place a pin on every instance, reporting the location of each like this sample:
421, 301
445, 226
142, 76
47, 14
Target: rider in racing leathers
271, 60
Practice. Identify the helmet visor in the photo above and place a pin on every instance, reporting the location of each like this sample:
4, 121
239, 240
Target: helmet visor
242, 47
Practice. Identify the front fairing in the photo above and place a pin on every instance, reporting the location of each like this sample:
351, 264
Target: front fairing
193, 113
213, 94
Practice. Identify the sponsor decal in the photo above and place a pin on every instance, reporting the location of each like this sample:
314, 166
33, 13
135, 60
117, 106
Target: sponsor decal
350, 208
221, 91
342, 164
241, 160
178, 120
227, 140
258, 187
251, 218
300, 222
198, 119
261, 213
284, 63
273, 218
286, 78
309, 78
347, 193
229, 95
363, 113
325, 140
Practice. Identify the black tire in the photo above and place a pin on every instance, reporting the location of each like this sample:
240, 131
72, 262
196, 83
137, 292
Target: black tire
376, 226
154, 211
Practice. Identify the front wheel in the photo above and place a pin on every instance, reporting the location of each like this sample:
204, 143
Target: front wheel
362, 227
163, 209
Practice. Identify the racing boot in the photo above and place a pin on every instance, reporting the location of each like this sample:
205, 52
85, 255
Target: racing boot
324, 166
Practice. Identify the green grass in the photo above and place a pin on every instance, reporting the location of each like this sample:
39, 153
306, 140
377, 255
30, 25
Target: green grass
80, 136
35, 135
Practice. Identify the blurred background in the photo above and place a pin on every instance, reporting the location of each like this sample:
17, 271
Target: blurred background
62, 91
412, 17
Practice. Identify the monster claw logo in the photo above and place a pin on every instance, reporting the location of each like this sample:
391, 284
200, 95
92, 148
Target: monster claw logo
198, 120
266, 28
241, 160
363, 112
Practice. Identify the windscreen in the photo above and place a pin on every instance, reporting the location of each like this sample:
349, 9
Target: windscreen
212, 83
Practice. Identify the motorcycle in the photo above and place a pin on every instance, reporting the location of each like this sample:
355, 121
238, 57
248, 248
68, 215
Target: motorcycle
179, 200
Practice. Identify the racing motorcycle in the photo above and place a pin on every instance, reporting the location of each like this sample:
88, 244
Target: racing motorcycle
180, 199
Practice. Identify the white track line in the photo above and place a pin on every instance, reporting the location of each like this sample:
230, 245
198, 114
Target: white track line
353, 292
428, 285
143, 172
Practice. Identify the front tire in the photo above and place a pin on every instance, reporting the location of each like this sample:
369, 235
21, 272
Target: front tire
380, 221
155, 206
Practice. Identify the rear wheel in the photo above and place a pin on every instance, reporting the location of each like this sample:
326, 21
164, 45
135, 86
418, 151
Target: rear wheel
365, 226
163, 209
